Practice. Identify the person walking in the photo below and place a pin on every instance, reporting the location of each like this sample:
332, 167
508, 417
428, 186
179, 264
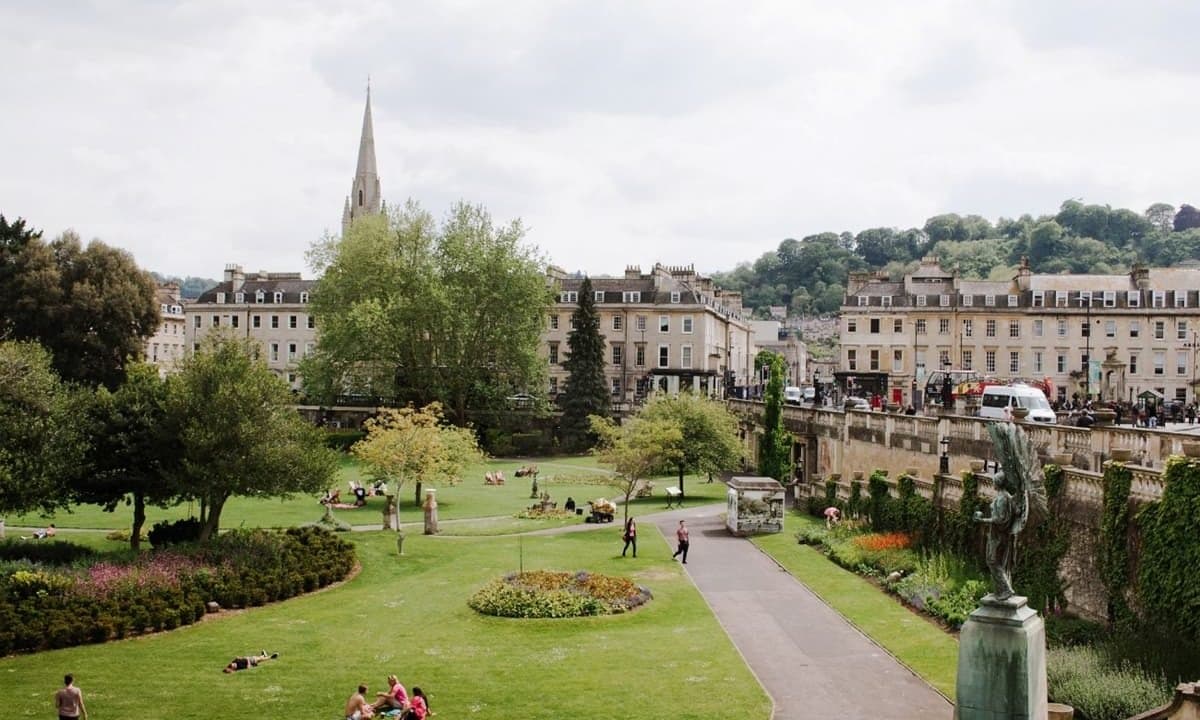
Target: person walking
630, 537
69, 700
681, 538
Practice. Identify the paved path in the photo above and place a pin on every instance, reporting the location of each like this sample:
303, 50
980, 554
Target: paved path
811, 661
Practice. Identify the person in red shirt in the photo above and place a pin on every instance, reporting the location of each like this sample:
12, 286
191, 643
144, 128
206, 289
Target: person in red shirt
418, 705
395, 697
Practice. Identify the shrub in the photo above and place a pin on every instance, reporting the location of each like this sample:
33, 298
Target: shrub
1169, 588
545, 594
537, 513
1083, 678
1070, 631
47, 552
166, 533
884, 541
343, 439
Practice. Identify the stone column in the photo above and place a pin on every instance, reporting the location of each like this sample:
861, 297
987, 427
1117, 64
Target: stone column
431, 520
391, 518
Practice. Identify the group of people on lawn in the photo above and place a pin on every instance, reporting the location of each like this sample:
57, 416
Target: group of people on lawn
395, 702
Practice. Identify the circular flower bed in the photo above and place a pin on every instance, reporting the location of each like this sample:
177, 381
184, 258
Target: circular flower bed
546, 594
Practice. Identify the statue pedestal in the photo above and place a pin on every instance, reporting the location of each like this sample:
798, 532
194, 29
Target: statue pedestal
431, 514
1002, 663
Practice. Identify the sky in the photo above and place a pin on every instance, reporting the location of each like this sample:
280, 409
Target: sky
196, 134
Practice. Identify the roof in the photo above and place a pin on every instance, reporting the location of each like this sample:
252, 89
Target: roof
291, 287
753, 482
1075, 283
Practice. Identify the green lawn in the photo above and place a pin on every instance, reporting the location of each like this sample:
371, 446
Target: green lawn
409, 616
930, 651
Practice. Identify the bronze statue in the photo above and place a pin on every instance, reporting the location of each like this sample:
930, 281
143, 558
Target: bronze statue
1019, 485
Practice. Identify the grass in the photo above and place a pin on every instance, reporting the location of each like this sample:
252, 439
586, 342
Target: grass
924, 647
408, 615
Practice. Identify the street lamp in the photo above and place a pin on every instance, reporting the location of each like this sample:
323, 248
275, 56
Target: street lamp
1194, 346
944, 460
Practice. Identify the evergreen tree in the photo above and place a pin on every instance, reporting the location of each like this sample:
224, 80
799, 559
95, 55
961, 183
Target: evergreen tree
774, 454
585, 392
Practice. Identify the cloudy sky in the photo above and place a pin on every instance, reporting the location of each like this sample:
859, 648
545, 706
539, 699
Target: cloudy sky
205, 132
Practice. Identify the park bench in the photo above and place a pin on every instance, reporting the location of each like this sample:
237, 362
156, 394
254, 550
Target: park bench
674, 497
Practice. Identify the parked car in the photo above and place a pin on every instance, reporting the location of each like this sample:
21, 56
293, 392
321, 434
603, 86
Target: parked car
856, 403
810, 394
792, 395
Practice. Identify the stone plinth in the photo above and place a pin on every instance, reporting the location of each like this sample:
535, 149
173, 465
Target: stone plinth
431, 514
1002, 663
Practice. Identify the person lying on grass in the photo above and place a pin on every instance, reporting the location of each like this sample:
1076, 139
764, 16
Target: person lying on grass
245, 662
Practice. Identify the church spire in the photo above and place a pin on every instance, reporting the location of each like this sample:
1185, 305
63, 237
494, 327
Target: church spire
364, 198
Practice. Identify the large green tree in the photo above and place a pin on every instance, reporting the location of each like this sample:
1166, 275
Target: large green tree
92, 306
41, 443
134, 455
585, 393
239, 431
708, 433
636, 450
775, 450
425, 311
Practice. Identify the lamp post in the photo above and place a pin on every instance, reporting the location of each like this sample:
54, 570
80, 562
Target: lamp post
1194, 346
944, 459
1087, 353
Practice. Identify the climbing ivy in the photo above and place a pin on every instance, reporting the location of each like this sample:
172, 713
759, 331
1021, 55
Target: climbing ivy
831, 498
1040, 555
959, 527
1114, 541
880, 506
916, 512
854, 506
1169, 573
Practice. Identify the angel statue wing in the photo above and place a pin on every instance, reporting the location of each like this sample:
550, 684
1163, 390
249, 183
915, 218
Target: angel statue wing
1022, 471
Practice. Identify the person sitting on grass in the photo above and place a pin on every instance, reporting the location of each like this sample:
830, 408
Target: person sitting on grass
43, 534
357, 707
332, 496
418, 705
245, 662
395, 697
360, 496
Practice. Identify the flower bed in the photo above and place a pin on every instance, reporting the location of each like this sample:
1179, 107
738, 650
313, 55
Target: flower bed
547, 594
101, 597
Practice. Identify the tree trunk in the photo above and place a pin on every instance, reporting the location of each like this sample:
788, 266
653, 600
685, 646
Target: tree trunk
203, 508
139, 520
417, 495
209, 527
681, 481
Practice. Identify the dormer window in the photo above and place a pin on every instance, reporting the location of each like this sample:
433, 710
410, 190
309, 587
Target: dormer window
631, 296
569, 297
259, 296
220, 298
1110, 298
1181, 298
675, 296
1060, 298
863, 300
1039, 298
598, 296
278, 297
968, 300
1159, 298
885, 300
922, 300
1012, 300
303, 298
944, 300
1133, 298
1085, 298
989, 300
239, 298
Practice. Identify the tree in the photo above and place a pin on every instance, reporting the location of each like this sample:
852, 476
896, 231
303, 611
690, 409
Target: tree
426, 312
636, 450
1161, 216
41, 445
775, 452
585, 392
1187, 218
417, 445
239, 431
1045, 242
92, 307
133, 453
708, 433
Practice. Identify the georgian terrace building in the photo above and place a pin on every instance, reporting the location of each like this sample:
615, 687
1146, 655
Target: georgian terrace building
167, 346
269, 308
1109, 336
666, 330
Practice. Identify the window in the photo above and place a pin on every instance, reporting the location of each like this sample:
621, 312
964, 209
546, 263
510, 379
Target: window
233, 320
989, 300
944, 300
1110, 328
943, 326
944, 358
1160, 362
885, 300
553, 386
967, 300
968, 360
617, 322
921, 326
1085, 298
1062, 328
1181, 394
851, 326
256, 321
852, 359
1062, 363
308, 348
293, 322
291, 352
897, 361
1014, 328
968, 328
303, 298
1159, 329
989, 361
863, 300
1133, 298
1135, 328
921, 300
291, 378
919, 358
1181, 298
1037, 361
897, 325
674, 296
569, 297
221, 298
312, 322
664, 323
598, 296
239, 298
631, 297
1014, 362
616, 386
259, 296
1181, 363
553, 353
1133, 363
1039, 298
989, 328
1060, 298
1110, 298
216, 321
275, 321
274, 352
687, 324
664, 356
874, 326
874, 360
553, 322
1012, 301
278, 297
571, 321
618, 354
685, 356
1181, 329
1158, 299
196, 321
640, 356
1083, 362
1085, 330
640, 322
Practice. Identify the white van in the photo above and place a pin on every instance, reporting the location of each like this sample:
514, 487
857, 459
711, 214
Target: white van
791, 395
997, 399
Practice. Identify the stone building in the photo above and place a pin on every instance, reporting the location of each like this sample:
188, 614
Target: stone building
269, 308
666, 330
1114, 337
166, 348
784, 341
365, 196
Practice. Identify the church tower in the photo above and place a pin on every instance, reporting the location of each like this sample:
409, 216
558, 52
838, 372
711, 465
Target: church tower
364, 198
